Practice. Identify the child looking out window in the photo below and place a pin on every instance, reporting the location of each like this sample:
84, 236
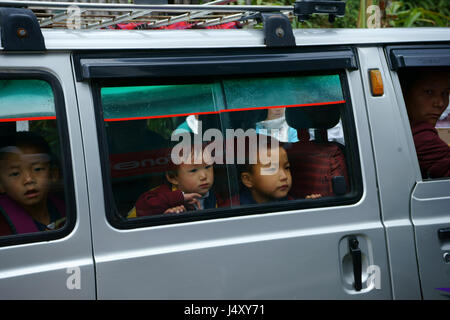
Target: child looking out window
26, 176
189, 187
266, 181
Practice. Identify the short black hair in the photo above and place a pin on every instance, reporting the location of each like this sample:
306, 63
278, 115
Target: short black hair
25, 139
247, 166
172, 168
409, 76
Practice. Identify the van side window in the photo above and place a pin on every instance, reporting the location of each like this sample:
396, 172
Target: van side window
139, 123
177, 150
426, 94
32, 195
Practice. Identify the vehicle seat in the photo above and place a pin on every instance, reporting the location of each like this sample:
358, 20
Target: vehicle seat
317, 166
136, 161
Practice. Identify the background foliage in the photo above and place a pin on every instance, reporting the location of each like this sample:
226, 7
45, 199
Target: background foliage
408, 13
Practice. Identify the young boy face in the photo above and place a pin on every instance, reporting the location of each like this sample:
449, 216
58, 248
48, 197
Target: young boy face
266, 184
25, 176
428, 97
193, 178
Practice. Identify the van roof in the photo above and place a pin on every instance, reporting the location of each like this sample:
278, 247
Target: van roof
63, 39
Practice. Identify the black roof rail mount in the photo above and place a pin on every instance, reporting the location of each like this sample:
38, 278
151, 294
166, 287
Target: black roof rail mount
20, 30
277, 30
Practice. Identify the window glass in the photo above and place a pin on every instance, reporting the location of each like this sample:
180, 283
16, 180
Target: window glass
25, 99
285, 91
443, 125
139, 123
32, 195
156, 101
152, 151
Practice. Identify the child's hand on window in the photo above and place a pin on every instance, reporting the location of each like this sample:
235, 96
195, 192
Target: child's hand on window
192, 198
314, 196
177, 209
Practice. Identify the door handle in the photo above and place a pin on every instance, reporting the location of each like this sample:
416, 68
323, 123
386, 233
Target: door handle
355, 253
444, 233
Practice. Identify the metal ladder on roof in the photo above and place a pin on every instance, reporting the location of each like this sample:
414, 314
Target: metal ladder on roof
103, 15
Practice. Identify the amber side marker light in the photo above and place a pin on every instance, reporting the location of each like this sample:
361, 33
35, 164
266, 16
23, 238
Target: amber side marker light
376, 82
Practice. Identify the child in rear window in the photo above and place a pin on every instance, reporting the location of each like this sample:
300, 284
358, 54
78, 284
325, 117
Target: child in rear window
26, 175
269, 180
189, 187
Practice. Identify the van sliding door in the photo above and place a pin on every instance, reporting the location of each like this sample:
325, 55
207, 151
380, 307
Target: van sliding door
291, 247
430, 198
42, 167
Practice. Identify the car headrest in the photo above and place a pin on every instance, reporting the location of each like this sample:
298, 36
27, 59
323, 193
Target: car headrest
247, 119
209, 121
132, 136
319, 117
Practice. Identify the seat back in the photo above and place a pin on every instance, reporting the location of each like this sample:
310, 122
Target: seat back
317, 166
138, 159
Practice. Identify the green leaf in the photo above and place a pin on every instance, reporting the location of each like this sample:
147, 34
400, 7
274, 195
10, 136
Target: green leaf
415, 14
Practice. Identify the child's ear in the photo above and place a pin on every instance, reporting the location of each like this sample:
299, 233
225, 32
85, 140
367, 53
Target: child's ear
172, 178
2, 190
246, 179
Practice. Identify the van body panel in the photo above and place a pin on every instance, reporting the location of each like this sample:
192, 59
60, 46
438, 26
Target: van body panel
396, 216
280, 255
396, 174
179, 39
429, 208
430, 211
51, 269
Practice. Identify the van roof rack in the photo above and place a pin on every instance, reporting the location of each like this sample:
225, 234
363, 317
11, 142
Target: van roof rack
78, 15
100, 15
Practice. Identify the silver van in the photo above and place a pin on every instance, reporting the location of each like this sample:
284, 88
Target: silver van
107, 103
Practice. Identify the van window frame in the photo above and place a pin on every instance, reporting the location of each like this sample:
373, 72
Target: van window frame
423, 56
409, 56
208, 63
65, 156
120, 222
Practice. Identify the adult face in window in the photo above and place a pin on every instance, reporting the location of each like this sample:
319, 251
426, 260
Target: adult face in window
275, 113
427, 97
